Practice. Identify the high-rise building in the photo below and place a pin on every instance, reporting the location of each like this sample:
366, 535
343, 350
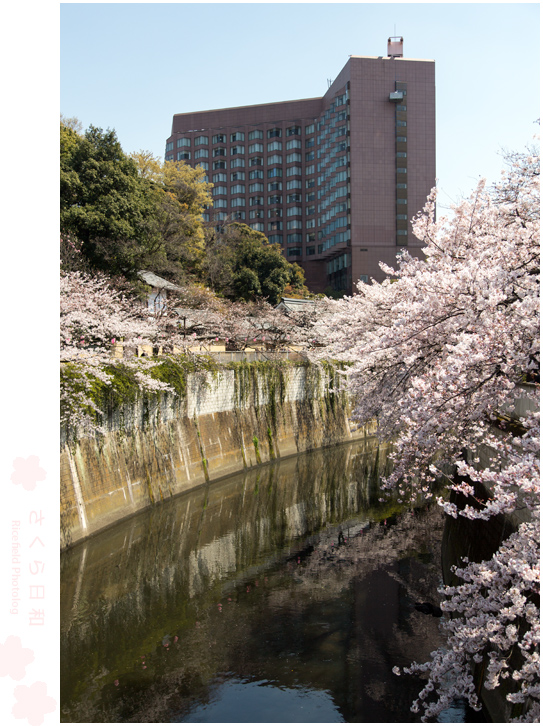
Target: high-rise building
334, 180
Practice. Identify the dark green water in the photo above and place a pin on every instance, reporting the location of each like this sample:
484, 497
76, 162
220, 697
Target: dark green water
284, 594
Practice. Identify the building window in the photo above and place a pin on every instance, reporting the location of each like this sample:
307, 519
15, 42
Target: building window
256, 174
219, 151
219, 164
294, 144
276, 212
401, 216
310, 169
309, 142
401, 170
256, 161
258, 226
293, 211
219, 190
238, 189
309, 251
256, 214
294, 184
295, 224
183, 155
275, 239
201, 140
294, 171
294, 251
310, 237
275, 186
204, 165
401, 123
275, 226
182, 142
294, 157
309, 210
401, 201
276, 171
256, 187
239, 215
201, 154
309, 183
401, 139
275, 159
256, 134
236, 163
237, 150
219, 178
310, 156
275, 199
256, 200
401, 155
274, 133
294, 131
275, 146
237, 176
219, 139
310, 129
237, 202
169, 146
255, 148
310, 197
238, 136
309, 223
296, 237
401, 186
220, 203
294, 198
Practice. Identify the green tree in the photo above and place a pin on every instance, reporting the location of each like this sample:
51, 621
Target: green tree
180, 194
105, 202
243, 265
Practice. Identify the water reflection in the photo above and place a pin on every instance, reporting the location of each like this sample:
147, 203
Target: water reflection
284, 594
237, 701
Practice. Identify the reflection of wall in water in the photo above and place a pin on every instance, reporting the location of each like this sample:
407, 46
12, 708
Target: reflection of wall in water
226, 527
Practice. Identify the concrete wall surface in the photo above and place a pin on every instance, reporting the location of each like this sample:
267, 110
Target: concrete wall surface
158, 446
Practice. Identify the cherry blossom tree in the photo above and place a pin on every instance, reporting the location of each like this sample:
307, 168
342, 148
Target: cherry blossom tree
439, 354
95, 318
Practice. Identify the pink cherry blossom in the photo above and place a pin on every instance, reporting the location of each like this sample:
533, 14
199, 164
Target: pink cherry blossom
438, 354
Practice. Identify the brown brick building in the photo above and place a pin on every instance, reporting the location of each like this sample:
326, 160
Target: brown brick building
334, 180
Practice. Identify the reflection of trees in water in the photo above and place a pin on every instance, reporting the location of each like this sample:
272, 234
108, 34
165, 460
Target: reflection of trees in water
374, 545
166, 572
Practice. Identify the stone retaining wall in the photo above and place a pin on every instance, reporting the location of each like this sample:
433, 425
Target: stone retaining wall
159, 446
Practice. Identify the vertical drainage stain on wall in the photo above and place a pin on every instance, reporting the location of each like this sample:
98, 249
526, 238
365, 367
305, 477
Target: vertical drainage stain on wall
226, 423
80, 502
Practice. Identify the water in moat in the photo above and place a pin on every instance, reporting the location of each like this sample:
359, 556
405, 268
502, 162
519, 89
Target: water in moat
284, 594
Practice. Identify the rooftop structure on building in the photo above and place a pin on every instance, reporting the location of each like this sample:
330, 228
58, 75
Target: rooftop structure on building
334, 180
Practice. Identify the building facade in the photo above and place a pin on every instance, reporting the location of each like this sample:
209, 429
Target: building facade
334, 180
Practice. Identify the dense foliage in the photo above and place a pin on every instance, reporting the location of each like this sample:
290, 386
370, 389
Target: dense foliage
439, 352
128, 213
